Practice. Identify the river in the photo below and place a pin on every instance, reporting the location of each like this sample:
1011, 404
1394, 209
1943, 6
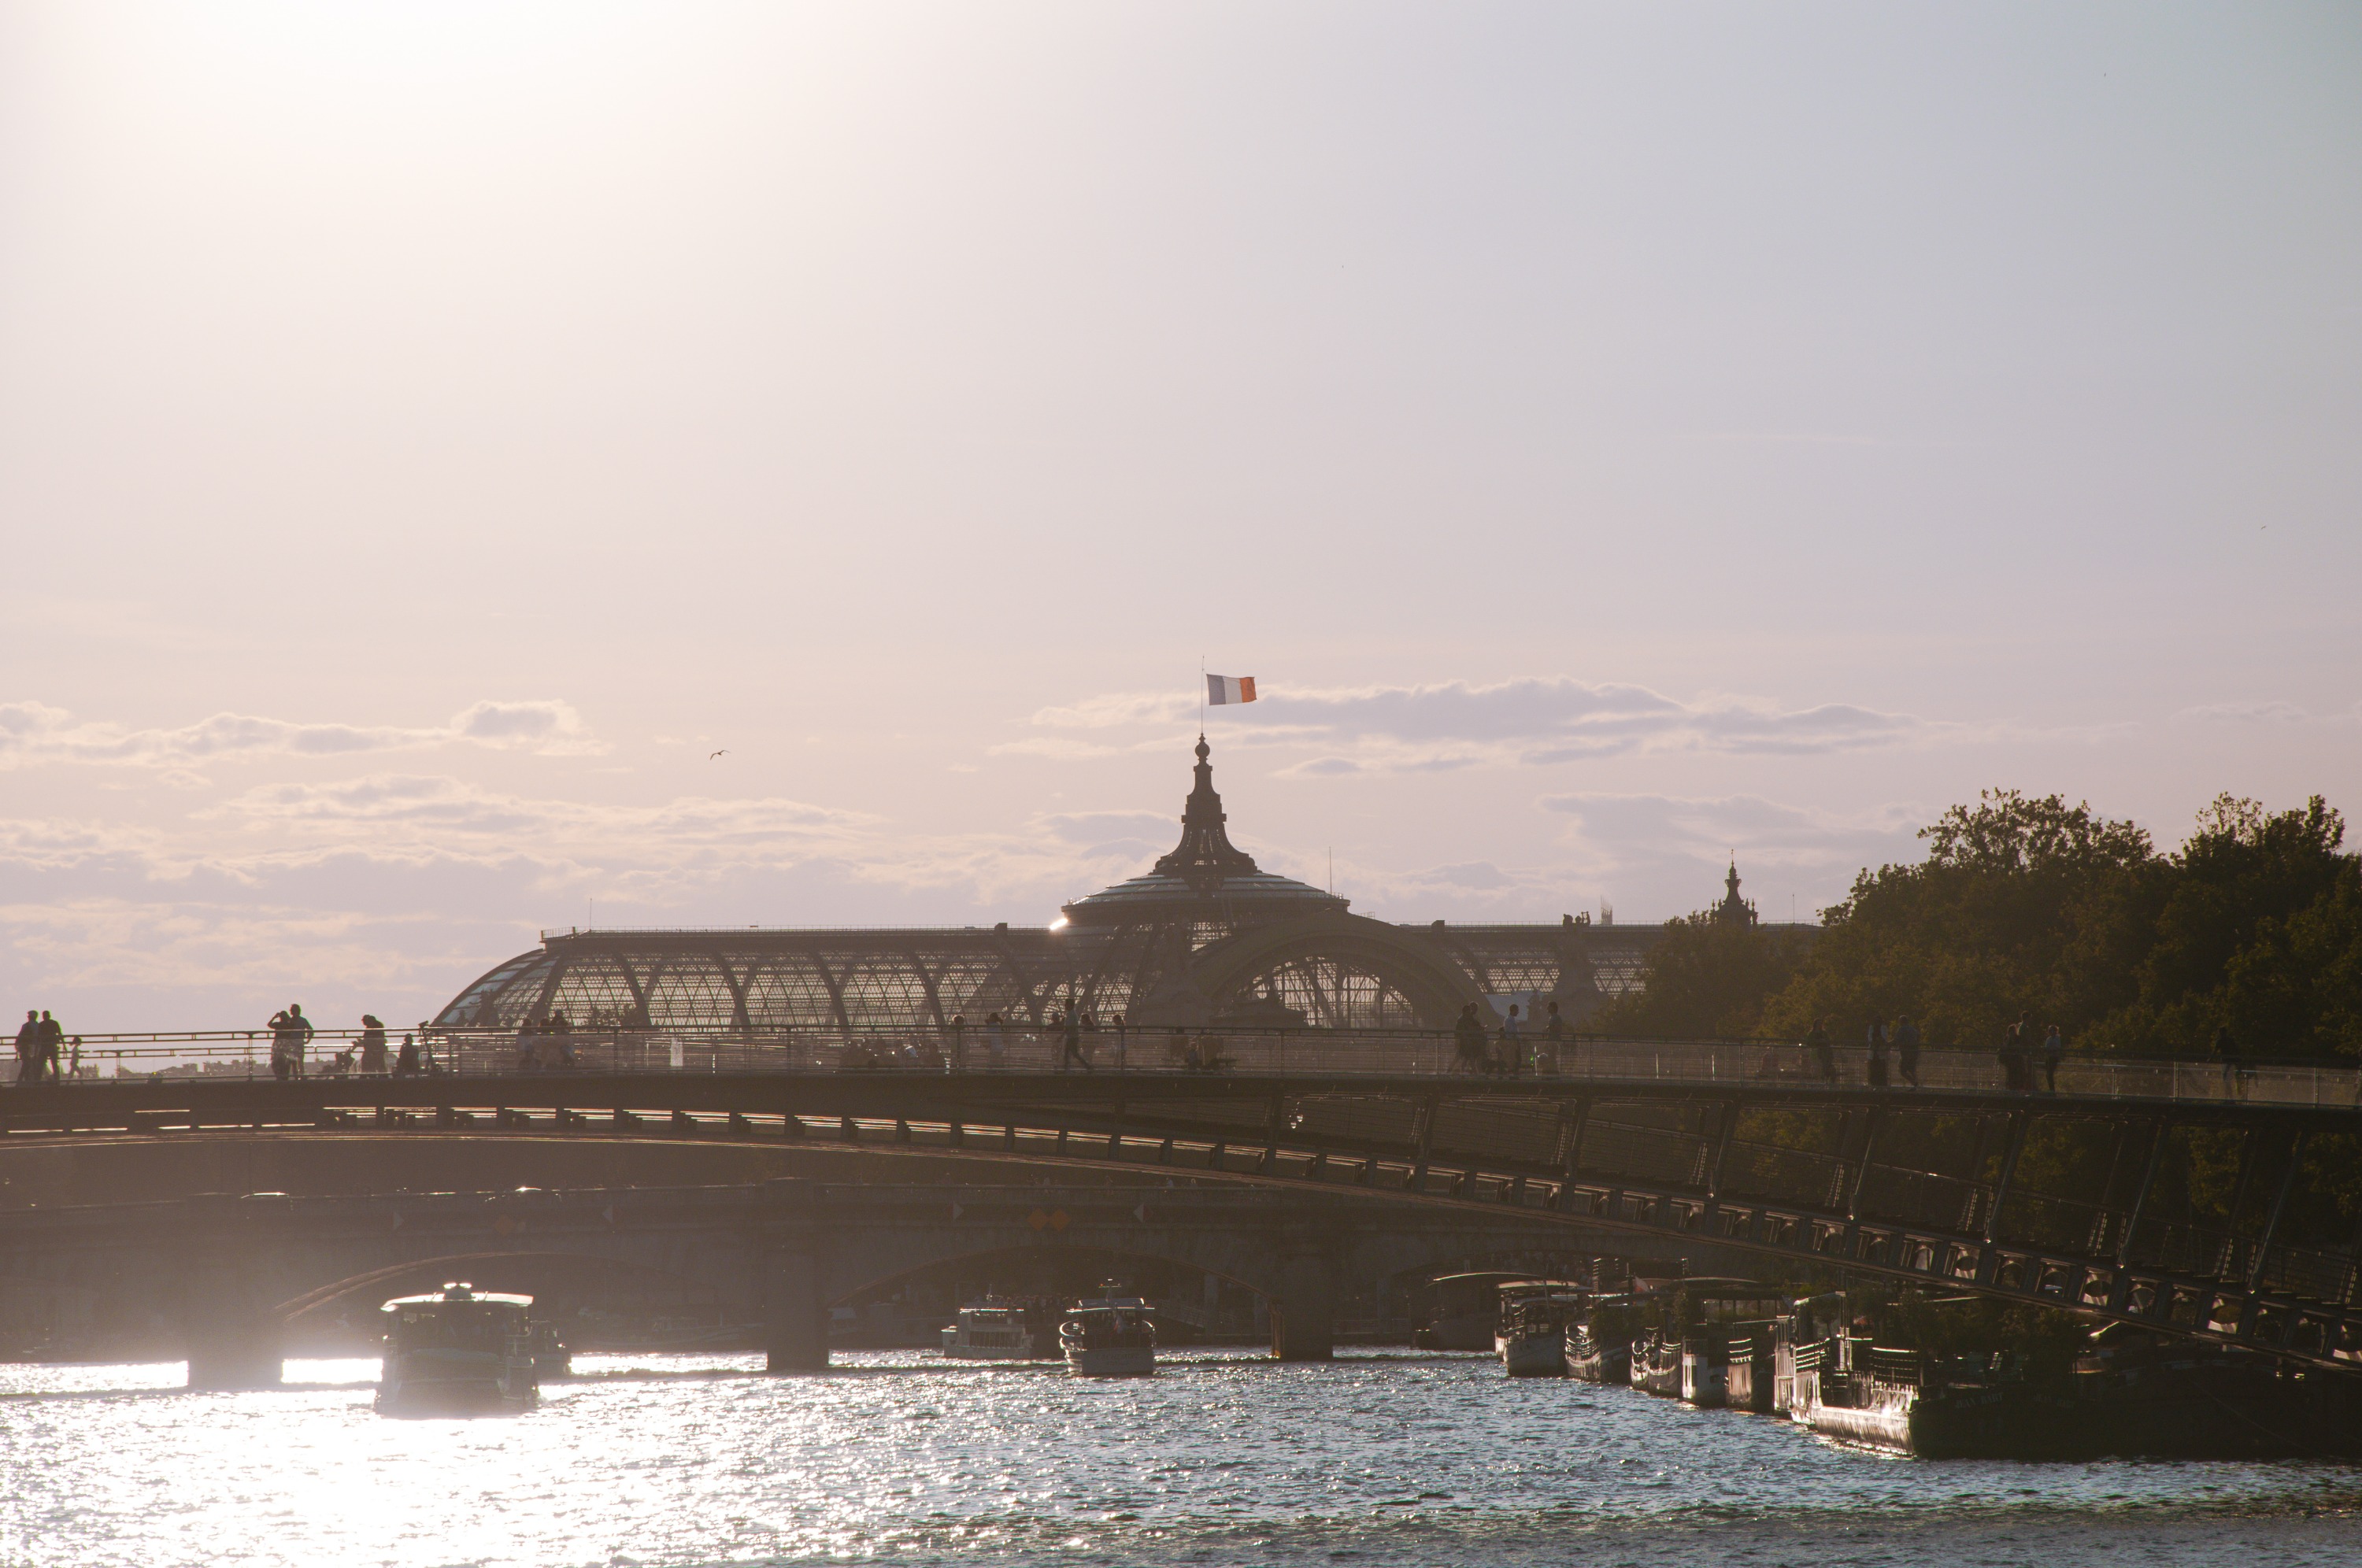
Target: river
1377, 1458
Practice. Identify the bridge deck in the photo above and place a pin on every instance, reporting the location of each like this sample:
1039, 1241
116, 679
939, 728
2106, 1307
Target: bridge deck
2045, 1198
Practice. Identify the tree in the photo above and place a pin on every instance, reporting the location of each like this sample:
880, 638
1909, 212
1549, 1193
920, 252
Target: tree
2260, 932
1705, 979
2023, 904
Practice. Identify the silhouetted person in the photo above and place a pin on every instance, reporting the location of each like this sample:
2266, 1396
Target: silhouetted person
1554, 1041
1824, 1050
1874, 1071
53, 1048
996, 1043
1122, 1048
405, 1061
1071, 1042
955, 1032
29, 1046
1468, 1041
1906, 1049
373, 1044
2054, 1050
1513, 1043
2016, 1072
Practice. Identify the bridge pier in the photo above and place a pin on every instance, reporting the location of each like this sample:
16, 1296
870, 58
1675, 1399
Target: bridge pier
232, 1341
795, 1295
1304, 1310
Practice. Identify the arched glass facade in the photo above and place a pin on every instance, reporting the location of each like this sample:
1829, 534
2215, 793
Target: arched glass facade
1205, 936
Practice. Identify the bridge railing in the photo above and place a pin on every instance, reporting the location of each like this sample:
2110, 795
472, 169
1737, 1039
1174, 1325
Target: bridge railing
1301, 1053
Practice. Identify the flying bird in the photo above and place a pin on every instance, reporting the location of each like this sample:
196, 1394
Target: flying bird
724, 752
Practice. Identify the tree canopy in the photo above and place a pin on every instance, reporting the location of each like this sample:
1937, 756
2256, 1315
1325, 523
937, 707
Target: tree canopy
2028, 904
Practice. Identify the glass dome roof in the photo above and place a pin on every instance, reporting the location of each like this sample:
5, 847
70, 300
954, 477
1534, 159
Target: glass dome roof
1205, 875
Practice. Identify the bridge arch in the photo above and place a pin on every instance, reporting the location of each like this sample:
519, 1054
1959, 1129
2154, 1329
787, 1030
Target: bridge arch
519, 1269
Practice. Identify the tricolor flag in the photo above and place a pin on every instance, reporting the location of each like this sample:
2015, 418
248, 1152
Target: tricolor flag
1221, 689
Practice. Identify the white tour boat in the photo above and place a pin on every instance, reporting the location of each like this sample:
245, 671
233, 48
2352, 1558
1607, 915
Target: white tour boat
1002, 1331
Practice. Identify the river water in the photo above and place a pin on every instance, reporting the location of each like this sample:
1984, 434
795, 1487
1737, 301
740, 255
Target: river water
1223, 1457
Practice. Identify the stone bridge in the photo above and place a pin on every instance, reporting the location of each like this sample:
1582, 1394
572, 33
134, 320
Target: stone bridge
235, 1270
2216, 1212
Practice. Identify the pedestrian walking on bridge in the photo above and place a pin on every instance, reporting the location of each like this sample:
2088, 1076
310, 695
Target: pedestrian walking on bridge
1824, 1050
373, 1044
53, 1048
1875, 1070
2054, 1052
1906, 1049
1070, 1035
1468, 1041
29, 1046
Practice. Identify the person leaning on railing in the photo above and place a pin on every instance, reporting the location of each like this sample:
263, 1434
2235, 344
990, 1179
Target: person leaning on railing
1546, 1054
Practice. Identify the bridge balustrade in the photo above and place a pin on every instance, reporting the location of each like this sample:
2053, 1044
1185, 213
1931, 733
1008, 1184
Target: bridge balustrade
1341, 1054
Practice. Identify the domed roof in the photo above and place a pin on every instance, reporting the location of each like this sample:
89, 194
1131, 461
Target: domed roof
1205, 873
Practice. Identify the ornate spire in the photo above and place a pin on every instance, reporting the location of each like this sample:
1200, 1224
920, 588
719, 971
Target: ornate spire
1734, 909
1205, 854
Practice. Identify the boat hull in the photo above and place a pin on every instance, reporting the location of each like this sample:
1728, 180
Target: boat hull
1111, 1361
1534, 1355
1975, 1422
1703, 1384
1600, 1363
426, 1389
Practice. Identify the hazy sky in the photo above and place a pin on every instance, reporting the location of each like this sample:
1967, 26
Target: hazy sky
1616, 436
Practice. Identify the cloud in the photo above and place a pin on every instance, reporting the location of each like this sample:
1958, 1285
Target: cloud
1533, 719
2274, 711
400, 808
1665, 842
32, 733
1106, 830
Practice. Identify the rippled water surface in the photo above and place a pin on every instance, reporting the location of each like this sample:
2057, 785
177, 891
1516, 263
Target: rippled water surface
1221, 1458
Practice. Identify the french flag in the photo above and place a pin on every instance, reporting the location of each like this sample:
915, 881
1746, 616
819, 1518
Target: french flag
1222, 688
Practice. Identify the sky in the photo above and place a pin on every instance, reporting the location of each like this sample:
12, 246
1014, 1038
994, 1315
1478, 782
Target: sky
1617, 437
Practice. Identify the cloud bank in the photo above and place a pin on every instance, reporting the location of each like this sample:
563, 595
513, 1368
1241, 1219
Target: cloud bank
1533, 720
34, 733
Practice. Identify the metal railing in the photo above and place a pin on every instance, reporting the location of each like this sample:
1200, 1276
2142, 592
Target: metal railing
1343, 1053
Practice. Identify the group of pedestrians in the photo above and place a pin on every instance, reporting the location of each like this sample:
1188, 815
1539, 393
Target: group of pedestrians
1505, 1051
1902, 1036
1892, 1052
2019, 1056
1080, 1035
41, 1047
292, 1034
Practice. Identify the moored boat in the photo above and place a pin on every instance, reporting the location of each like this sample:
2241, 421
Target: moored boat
1532, 1339
1705, 1365
1593, 1362
457, 1351
1113, 1335
1657, 1364
1600, 1341
1747, 1377
1974, 1407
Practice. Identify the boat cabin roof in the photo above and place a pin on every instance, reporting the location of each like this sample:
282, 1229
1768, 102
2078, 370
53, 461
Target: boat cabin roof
456, 1293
